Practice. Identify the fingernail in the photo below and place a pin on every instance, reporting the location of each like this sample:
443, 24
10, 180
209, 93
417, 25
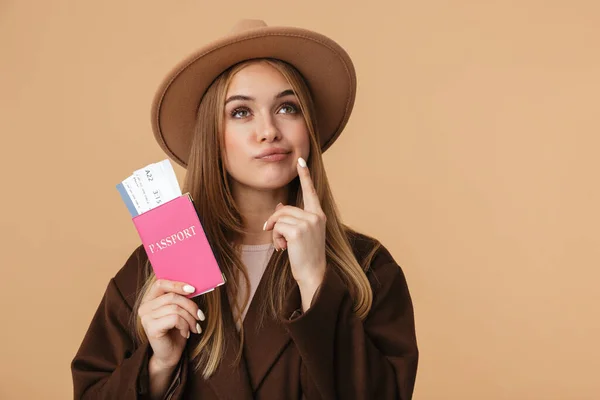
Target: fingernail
302, 162
188, 335
198, 328
278, 205
265, 225
189, 289
201, 316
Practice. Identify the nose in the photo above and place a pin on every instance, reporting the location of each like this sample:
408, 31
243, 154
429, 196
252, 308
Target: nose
267, 129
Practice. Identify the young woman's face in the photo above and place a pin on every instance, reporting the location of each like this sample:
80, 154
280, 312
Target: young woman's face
265, 131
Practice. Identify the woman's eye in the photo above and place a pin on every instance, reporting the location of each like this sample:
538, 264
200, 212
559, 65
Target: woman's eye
288, 108
240, 113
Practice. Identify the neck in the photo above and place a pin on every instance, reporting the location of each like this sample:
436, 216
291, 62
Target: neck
256, 206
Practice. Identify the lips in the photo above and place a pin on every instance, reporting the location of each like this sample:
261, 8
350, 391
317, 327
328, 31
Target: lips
274, 157
270, 153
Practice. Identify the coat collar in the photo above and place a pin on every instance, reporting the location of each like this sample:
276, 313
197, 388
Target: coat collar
263, 345
265, 338
230, 380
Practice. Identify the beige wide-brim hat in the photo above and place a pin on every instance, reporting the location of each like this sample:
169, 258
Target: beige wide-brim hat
325, 65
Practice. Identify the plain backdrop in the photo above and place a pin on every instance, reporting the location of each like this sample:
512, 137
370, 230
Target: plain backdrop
472, 154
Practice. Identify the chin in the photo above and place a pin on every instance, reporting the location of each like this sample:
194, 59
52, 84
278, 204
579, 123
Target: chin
269, 182
266, 179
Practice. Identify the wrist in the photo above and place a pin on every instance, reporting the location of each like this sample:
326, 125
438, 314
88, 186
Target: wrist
160, 375
309, 285
308, 290
156, 366
312, 277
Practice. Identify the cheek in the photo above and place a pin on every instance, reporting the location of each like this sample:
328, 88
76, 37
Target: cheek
301, 140
233, 150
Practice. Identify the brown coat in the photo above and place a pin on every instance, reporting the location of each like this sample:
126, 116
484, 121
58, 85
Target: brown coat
326, 353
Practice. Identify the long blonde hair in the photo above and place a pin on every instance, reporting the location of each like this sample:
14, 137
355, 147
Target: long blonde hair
208, 183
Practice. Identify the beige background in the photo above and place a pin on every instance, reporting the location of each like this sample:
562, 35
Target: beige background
472, 154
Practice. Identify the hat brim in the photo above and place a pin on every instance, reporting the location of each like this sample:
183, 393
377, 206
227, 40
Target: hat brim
326, 67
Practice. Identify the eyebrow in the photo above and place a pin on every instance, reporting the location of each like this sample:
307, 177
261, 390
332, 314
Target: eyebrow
248, 98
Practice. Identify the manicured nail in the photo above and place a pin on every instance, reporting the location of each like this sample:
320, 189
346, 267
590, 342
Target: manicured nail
201, 316
188, 335
265, 225
198, 328
302, 162
189, 289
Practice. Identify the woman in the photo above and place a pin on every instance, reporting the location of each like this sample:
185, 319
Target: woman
311, 309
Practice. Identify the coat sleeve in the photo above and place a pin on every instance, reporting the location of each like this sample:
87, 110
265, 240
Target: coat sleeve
346, 358
108, 364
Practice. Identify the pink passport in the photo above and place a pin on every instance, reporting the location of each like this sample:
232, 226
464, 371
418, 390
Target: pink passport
177, 246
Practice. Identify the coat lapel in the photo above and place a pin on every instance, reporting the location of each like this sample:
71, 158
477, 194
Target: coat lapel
264, 338
231, 381
264, 342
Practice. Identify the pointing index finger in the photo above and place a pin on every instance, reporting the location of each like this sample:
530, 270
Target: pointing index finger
309, 194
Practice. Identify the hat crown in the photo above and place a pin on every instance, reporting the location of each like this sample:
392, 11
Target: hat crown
248, 24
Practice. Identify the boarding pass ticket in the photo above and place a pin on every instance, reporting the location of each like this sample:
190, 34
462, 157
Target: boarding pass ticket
149, 187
